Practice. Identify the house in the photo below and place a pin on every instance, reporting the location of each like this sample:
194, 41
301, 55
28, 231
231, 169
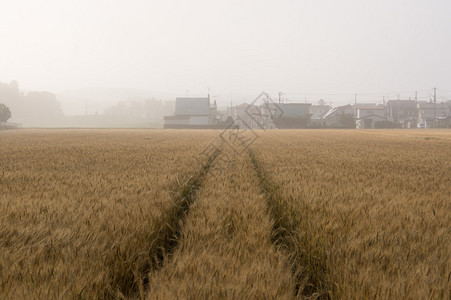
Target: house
245, 115
192, 113
293, 115
295, 109
317, 113
214, 117
222, 115
344, 116
444, 122
340, 117
402, 112
428, 110
371, 117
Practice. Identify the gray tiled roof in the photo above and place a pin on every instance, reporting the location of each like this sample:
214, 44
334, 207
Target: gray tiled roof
192, 106
295, 109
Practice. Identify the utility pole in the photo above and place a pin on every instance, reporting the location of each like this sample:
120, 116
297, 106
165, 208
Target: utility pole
397, 111
280, 96
231, 99
435, 107
416, 109
355, 105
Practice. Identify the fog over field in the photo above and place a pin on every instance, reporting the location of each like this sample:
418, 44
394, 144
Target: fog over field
161, 49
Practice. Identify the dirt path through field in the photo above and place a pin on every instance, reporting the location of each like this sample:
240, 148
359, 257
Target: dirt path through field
225, 249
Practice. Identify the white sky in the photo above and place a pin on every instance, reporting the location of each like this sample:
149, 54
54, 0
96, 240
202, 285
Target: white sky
231, 46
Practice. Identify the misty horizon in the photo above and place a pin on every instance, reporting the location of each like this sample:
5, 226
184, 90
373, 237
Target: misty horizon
233, 48
95, 55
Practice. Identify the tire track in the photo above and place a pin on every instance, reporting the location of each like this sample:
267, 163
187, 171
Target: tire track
225, 250
308, 271
165, 237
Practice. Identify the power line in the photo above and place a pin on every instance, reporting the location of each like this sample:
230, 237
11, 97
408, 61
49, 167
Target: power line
362, 94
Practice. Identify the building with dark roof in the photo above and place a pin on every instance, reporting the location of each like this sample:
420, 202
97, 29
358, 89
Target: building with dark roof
402, 112
192, 113
192, 106
293, 115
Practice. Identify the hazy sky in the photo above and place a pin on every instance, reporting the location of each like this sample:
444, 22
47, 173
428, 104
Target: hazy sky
231, 46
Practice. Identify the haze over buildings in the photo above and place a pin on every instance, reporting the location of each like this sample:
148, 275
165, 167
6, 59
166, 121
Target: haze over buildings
237, 48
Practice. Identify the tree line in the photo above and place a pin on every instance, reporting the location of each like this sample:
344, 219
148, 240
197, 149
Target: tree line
22, 107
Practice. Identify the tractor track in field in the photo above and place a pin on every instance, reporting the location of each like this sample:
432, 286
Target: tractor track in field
285, 234
166, 238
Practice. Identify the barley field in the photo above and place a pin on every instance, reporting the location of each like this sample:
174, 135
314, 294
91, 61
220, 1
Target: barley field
166, 214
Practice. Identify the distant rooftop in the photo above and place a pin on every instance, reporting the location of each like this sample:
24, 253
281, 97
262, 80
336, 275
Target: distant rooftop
192, 106
431, 105
371, 108
335, 109
402, 104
